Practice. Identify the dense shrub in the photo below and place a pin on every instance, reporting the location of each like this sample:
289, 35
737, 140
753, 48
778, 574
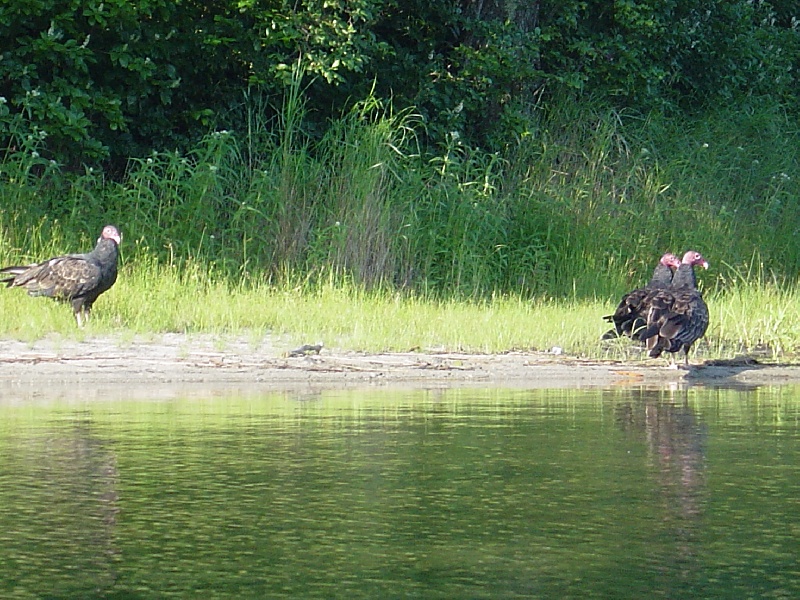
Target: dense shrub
118, 79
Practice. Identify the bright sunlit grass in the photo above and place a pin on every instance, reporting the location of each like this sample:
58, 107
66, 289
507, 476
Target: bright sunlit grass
151, 299
283, 239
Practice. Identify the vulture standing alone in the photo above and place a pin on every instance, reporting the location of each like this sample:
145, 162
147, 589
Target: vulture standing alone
630, 319
678, 316
75, 278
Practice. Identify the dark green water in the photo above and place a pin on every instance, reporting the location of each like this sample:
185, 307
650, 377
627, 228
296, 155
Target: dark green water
448, 494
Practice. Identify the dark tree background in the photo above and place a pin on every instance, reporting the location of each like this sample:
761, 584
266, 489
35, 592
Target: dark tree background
103, 81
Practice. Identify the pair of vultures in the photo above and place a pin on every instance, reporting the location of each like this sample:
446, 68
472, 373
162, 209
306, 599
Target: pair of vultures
668, 314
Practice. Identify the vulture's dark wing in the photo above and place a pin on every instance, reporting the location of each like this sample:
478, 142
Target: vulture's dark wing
63, 277
677, 328
629, 318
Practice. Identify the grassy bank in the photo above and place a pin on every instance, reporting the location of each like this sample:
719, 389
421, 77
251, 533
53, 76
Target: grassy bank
749, 318
359, 239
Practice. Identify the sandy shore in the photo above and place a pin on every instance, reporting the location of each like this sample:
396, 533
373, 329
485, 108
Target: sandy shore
174, 363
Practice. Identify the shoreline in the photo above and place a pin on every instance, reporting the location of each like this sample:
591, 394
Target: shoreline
170, 364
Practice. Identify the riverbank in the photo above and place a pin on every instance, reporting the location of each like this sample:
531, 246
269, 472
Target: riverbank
186, 364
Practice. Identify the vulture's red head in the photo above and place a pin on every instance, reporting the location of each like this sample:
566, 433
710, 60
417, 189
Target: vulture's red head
693, 258
670, 260
111, 233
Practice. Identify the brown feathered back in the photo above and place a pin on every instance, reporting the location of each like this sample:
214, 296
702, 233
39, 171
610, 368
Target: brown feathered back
629, 317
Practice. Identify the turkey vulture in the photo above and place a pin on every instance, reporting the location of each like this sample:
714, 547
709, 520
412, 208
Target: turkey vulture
678, 316
75, 278
629, 318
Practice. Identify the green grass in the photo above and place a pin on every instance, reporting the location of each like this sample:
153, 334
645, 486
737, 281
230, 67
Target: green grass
580, 207
149, 298
359, 239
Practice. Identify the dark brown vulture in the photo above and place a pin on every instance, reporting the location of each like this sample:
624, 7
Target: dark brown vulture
75, 278
629, 319
677, 317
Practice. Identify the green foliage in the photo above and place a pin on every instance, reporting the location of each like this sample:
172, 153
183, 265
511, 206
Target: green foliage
120, 79
464, 71
507, 177
480, 69
114, 80
579, 208
325, 38
357, 237
71, 73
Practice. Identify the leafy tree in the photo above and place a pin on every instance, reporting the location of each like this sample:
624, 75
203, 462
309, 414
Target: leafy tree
121, 78
117, 79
